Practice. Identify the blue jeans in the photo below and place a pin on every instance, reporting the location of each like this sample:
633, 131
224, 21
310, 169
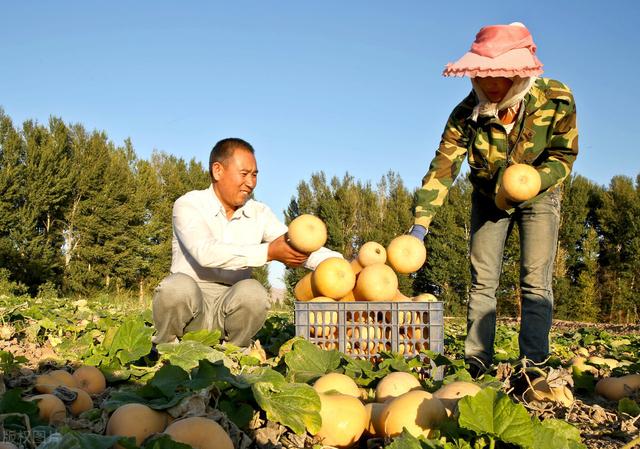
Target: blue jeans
538, 224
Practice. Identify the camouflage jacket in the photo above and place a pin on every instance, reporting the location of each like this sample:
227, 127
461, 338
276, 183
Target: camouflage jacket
545, 136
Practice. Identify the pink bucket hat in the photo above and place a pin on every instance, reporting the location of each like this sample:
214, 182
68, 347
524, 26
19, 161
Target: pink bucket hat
499, 50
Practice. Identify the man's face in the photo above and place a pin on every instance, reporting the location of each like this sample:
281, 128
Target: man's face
495, 88
235, 179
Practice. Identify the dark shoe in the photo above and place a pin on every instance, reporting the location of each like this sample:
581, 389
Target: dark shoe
476, 369
153, 355
151, 358
522, 381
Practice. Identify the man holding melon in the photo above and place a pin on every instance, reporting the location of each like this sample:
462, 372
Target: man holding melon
219, 235
519, 135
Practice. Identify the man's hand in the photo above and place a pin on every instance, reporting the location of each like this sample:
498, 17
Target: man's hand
281, 251
418, 231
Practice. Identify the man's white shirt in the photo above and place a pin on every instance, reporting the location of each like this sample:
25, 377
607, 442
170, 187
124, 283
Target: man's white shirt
211, 248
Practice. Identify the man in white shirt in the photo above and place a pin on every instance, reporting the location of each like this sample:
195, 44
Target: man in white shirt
219, 235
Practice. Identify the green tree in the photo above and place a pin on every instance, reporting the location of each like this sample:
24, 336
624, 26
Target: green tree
446, 273
12, 180
619, 221
577, 264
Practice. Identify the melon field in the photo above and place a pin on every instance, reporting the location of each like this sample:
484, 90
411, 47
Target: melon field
277, 394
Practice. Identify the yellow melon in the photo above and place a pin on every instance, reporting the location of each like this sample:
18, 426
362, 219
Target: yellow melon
396, 384
370, 253
377, 282
307, 233
520, 182
417, 411
406, 254
344, 419
303, 291
333, 277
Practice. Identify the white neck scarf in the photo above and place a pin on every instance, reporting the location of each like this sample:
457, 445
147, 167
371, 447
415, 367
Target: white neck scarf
514, 96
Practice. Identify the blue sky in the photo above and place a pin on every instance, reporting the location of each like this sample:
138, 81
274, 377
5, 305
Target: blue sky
338, 86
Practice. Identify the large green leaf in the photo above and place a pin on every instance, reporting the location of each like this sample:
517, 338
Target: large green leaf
362, 371
164, 442
629, 406
556, 434
131, 341
187, 354
165, 382
239, 413
492, 412
263, 374
296, 406
11, 402
118, 398
204, 336
307, 361
208, 373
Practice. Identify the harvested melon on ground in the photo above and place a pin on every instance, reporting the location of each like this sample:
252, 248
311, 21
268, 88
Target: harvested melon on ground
542, 391
344, 419
374, 413
338, 382
50, 408
616, 388
46, 383
7, 445
135, 420
200, 433
81, 403
451, 393
417, 411
90, 379
396, 384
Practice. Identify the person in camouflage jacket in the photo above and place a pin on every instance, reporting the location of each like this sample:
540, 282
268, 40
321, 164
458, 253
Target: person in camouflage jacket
528, 120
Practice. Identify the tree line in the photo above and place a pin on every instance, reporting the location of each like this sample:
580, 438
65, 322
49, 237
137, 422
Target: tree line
80, 215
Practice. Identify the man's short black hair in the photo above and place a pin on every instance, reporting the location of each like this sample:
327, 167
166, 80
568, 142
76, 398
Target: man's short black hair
224, 149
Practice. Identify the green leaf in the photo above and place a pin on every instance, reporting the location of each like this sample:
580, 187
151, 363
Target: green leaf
11, 402
307, 361
296, 406
204, 336
239, 413
555, 434
405, 441
583, 380
208, 373
118, 398
492, 412
263, 374
187, 354
164, 442
131, 341
9, 362
165, 381
362, 371
629, 406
